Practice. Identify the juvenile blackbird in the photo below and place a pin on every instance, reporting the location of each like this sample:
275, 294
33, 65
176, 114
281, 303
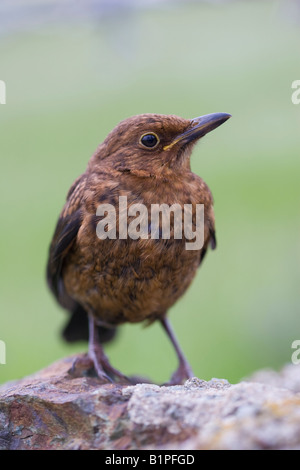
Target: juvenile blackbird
104, 282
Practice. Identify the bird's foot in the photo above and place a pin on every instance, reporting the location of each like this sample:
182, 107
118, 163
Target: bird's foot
110, 372
91, 365
102, 367
104, 370
183, 373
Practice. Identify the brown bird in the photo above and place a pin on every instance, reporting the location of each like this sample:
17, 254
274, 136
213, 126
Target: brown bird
104, 282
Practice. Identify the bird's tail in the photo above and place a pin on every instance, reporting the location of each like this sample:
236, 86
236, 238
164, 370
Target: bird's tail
77, 328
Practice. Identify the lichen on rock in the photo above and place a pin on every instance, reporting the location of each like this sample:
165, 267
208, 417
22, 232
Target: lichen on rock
54, 410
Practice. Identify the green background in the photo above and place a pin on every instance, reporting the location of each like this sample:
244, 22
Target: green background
68, 84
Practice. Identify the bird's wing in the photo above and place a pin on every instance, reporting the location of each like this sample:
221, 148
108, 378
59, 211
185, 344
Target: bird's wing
64, 236
211, 240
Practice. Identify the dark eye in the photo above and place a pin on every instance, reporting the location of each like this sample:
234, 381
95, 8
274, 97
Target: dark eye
149, 140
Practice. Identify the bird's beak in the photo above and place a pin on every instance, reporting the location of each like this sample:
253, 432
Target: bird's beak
199, 127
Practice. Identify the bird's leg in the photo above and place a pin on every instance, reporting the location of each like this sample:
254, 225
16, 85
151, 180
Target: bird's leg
96, 352
184, 370
101, 363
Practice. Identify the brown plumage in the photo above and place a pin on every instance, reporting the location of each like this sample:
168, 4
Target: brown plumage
111, 281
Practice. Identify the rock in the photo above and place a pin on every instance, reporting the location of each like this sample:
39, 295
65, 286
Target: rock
288, 377
54, 410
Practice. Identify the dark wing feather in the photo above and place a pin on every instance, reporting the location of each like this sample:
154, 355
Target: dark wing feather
213, 240
64, 237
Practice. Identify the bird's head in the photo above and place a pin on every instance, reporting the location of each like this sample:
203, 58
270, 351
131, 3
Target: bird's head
150, 144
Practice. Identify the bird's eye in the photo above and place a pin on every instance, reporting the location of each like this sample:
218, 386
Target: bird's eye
149, 140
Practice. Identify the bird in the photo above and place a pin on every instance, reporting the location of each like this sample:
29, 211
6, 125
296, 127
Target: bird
105, 281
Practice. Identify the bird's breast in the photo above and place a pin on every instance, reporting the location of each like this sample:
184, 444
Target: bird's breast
130, 280
131, 262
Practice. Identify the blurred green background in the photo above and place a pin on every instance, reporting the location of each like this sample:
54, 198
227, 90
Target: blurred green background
69, 82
